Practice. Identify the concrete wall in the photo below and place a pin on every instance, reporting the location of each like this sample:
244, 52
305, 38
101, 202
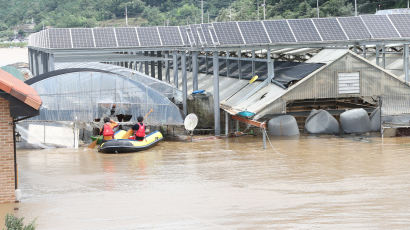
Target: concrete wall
6, 154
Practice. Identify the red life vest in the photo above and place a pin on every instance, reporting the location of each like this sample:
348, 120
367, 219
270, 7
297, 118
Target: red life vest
141, 130
107, 130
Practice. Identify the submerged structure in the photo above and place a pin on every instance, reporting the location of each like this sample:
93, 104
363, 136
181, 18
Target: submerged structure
338, 75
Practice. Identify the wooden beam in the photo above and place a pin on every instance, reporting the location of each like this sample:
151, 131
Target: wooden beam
251, 122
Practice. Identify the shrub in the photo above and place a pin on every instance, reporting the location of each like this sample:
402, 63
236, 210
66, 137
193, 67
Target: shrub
15, 223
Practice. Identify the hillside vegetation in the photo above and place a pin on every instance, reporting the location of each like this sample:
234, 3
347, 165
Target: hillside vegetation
91, 13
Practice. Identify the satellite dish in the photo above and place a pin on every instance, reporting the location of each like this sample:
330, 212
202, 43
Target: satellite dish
190, 122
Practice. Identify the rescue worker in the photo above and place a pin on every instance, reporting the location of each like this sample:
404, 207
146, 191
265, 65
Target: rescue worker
108, 129
139, 129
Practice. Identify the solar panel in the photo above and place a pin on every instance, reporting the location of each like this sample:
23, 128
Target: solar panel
228, 33
82, 38
380, 26
254, 32
104, 37
127, 37
60, 38
148, 36
354, 28
401, 22
198, 34
329, 29
279, 31
207, 35
304, 30
170, 36
184, 35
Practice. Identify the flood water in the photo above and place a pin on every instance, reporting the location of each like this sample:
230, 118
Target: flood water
305, 183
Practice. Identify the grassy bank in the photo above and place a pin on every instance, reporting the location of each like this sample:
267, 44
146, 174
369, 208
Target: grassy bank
9, 45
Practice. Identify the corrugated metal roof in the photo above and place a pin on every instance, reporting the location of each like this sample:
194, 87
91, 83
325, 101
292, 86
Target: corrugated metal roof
327, 56
19, 90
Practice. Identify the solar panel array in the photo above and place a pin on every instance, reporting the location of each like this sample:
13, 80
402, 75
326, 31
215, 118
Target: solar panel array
354, 28
149, 36
329, 29
105, 37
401, 22
221, 34
127, 37
254, 32
228, 33
304, 30
82, 38
380, 26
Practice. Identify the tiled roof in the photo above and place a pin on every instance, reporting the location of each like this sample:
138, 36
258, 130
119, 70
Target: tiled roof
19, 90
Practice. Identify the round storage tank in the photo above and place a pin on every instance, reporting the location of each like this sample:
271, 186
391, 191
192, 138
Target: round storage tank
285, 125
321, 122
355, 121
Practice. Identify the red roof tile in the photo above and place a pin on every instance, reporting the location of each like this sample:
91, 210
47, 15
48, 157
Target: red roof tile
19, 90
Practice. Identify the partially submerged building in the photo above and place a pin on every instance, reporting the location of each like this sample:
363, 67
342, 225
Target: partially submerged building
18, 101
345, 81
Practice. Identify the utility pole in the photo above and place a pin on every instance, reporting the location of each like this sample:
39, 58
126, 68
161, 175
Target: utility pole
408, 4
202, 11
208, 17
230, 14
355, 8
257, 8
126, 16
317, 7
264, 9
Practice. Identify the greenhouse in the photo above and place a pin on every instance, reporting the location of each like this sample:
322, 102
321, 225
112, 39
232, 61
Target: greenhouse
162, 87
87, 95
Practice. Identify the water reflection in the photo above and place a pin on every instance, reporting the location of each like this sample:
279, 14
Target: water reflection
311, 182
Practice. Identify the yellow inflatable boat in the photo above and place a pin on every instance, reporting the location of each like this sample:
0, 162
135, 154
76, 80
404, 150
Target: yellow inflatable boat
128, 146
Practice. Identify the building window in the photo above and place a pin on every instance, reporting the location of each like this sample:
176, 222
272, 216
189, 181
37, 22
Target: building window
349, 83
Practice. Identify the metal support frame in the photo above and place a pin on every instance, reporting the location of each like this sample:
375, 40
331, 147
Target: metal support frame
51, 66
175, 67
264, 138
384, 57
226, 123
227, 63
239, 64
146, 64
194, 70
217, 115
167, 68
153, 65
36, 63
377, 55
159, 63
253, 63
406, 62
184, 83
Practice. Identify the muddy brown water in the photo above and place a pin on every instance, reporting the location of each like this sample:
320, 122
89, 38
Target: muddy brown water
305, 183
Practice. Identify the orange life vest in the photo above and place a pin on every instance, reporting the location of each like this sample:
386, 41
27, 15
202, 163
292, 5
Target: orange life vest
141, 130
107, 130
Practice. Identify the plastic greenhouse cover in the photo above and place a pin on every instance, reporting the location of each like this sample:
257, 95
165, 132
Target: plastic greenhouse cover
162, 87
86, 95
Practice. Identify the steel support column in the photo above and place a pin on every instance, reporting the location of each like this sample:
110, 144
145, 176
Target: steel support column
384, 57
364, 51
226, 123
175, 67
195, 70
51, 66
227, 63
36, 63
159, 63
146, 64
167, 67
239, 65
184, 82
264, 138
30, 61
153, 65
217, 115
377, 55
253, 63
406, 62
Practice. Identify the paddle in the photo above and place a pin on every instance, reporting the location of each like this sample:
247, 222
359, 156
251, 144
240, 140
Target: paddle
253, 79
129, 132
